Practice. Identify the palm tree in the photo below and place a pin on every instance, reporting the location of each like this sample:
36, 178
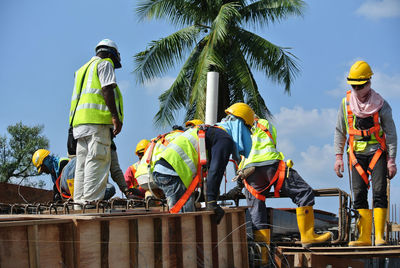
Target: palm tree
214, 34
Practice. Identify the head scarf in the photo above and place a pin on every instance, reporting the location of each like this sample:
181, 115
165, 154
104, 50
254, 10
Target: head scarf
51, 162
365, 102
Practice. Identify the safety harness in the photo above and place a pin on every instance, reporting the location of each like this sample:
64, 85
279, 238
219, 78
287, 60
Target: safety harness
279, 176
59, 188
200, 174
364, 133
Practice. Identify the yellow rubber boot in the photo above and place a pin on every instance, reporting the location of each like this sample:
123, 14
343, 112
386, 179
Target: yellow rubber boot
380, 222
263, 236
305, 222
364, 226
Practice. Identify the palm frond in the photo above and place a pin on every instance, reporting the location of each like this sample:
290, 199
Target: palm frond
163, 54
278, 63
263, 12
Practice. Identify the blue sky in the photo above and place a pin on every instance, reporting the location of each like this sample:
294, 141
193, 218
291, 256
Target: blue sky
45, 41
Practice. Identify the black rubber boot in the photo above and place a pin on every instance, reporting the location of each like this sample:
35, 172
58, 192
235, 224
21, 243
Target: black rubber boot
218, 211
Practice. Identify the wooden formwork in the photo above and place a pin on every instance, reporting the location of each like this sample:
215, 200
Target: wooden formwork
124, 240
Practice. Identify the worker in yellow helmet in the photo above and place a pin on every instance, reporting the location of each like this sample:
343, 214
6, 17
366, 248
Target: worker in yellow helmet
131, 170
366, 118
62, 171
178, 170
193, 123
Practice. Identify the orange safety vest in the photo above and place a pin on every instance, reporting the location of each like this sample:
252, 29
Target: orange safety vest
199, 175
134, 182
279, 177
364, 133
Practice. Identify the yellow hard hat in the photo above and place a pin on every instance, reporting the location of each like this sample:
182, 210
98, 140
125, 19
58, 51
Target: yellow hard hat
194, 122
360, 73
242, 110
141, 146
38, 158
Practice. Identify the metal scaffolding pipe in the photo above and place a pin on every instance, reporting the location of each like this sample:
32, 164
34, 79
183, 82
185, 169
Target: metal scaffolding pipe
212, 98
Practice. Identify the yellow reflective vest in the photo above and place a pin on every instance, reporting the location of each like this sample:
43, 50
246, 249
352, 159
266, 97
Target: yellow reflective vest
263, 147
183, 156
88, 101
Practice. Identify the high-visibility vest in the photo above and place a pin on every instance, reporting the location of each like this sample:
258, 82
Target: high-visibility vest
182, 155
263, 146
355, 136
92, 108
134, 167
153, 152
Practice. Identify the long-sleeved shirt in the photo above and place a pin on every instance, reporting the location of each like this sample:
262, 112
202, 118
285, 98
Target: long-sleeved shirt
387, 125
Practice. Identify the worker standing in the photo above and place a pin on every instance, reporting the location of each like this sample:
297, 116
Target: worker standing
96, 114
265, 168
372, 145
178, 170
131, 170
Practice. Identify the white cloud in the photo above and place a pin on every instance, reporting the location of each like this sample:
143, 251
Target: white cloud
297, 121
158, 85
375, 9
387, 86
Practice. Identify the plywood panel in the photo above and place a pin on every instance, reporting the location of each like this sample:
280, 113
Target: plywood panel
118, 250
236, 240
49, 246
189, 254
89, 244
207, 240
146, 239
14, 247
222, 244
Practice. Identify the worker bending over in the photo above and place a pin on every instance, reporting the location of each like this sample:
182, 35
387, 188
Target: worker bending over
62, 171
96, 115
372, 145
130, 172
179, 169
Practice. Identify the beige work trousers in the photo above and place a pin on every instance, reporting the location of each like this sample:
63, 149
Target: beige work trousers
93, 159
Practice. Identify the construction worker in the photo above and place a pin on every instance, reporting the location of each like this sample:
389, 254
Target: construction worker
265, 168
178, 171
131, 170
62, 171
96, 115
372, 144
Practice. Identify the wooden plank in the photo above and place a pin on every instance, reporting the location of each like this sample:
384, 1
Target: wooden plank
14, 246
89, 244
229, 240
33, 236
236, 241
133, 243
48, 245
243, 237
146, 239
165, 242
104, 240
118, 250
189, 252
207, 241
66, 244
214, 242
199, 241
221, 245
175, 240
158, 253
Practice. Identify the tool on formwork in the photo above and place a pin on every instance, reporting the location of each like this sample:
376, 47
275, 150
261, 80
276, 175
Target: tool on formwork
289, 164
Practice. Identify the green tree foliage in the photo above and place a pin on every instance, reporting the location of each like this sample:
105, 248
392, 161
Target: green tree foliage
16, 154
213, 34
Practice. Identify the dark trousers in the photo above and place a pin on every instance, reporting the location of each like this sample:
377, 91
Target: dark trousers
379, 184
293, 186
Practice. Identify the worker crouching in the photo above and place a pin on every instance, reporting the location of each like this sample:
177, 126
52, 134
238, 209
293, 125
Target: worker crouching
181, 164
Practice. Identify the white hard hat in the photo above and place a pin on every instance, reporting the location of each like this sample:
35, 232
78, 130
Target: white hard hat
107, 43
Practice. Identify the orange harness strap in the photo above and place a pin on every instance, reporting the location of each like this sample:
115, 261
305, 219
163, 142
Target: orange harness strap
198, 178
262, 127
59, 188
352, 131
279, 175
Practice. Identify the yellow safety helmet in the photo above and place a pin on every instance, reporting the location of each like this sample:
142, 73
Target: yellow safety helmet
38, 158
360, 73
243, 111
194, 122
141, 146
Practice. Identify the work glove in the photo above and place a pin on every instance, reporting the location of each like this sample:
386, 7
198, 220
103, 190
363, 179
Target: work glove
132, 192
339, 165
234, 193
391, 166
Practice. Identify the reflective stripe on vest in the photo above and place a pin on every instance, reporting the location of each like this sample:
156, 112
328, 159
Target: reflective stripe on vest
263, 144
375, 131
279, 177
92, 108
